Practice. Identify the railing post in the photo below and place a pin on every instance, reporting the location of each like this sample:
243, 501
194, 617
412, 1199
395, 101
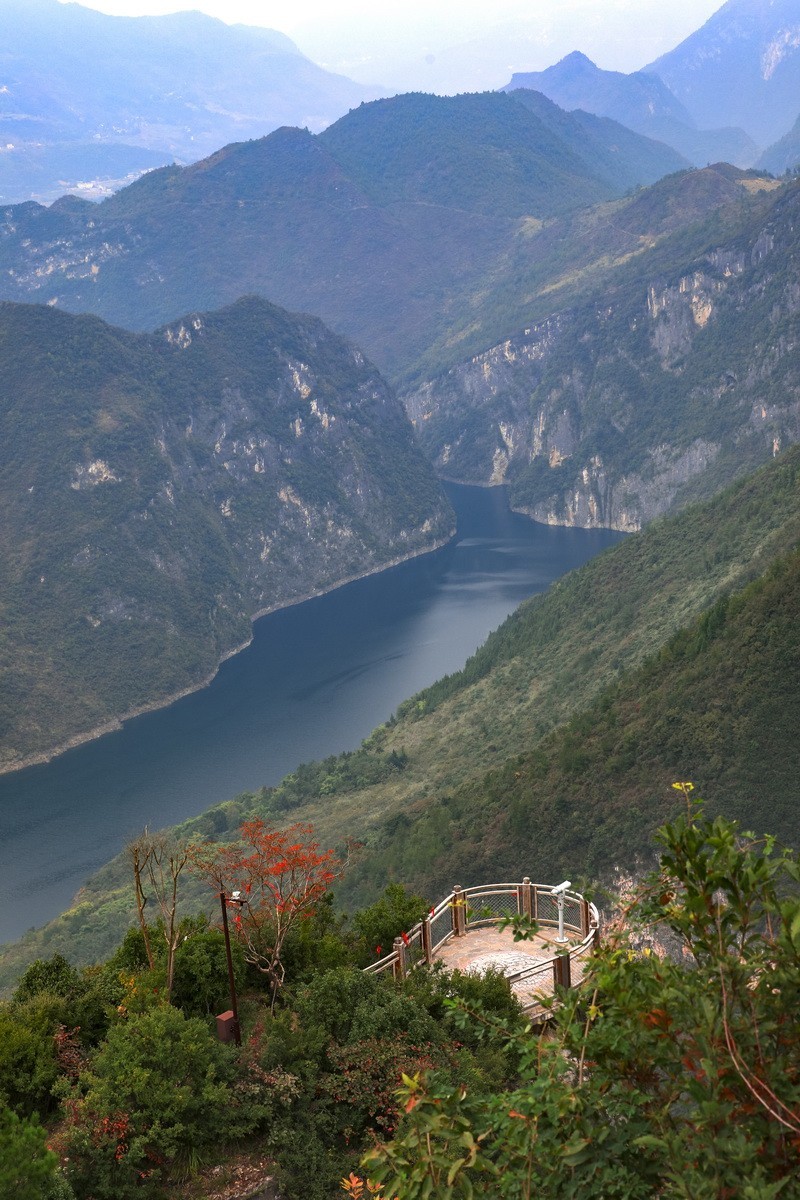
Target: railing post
524, 899
535, 910
584, 917
596, 938
459, 912
562, 975
399, 947
427, 940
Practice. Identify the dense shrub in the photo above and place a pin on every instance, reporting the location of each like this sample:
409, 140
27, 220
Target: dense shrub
27, 1168
157, 1094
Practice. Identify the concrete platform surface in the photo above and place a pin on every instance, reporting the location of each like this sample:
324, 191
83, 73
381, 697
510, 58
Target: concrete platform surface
490, 948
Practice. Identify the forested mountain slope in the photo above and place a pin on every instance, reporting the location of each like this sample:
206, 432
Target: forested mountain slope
674, 373
159, 490
363, 225
471, 152
438, 776
719, 704
579, 257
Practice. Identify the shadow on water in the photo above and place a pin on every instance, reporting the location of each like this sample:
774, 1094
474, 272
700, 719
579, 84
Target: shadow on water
316, 679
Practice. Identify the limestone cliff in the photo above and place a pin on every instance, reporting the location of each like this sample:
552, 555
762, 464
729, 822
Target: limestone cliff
659, 389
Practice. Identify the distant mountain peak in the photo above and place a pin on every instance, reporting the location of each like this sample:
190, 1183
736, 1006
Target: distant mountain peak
577, 58
642, 101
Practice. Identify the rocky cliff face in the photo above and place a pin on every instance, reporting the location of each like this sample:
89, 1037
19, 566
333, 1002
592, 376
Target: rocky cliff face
657, 391
742, 67
161, 490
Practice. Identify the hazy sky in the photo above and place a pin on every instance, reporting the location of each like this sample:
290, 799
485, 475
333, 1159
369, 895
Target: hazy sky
450, 45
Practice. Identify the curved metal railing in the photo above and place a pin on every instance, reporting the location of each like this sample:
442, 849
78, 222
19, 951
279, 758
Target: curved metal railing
466, 909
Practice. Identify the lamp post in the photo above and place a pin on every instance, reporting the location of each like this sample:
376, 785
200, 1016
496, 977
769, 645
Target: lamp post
237, 899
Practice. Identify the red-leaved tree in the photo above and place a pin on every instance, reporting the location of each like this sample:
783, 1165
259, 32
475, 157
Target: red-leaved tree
281, 875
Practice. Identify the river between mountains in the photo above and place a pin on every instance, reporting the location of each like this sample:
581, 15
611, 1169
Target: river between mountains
315, 680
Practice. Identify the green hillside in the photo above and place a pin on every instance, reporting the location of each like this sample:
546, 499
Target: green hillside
718, 704
159, 490
439, 778
581, 257
483, 154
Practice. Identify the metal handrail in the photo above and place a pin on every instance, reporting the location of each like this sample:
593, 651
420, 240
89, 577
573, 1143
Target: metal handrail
396, 960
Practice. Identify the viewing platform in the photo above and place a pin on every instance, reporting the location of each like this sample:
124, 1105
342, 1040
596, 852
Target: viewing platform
461, 932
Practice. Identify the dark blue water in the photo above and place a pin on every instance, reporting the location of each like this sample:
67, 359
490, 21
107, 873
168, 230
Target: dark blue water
316, 679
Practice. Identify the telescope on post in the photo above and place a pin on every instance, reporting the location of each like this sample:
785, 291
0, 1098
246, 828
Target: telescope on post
559, 892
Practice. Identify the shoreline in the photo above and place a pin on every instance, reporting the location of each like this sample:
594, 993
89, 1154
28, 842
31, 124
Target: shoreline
114, 724
527, 512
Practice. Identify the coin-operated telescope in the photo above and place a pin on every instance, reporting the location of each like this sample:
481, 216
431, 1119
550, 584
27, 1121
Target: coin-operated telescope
559, 892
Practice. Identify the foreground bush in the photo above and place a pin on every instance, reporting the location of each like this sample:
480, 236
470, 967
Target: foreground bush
27, 1168
158, 1093
667, 1076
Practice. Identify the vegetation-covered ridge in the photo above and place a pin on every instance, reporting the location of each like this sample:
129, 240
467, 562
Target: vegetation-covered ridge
386, 225
161, 490
720, 701
673, 374
439, 777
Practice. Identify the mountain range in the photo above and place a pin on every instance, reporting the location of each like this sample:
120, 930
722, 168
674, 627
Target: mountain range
569, 308
90, 101
726, 93
87, 98
388, 224
640, 101
159, 490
